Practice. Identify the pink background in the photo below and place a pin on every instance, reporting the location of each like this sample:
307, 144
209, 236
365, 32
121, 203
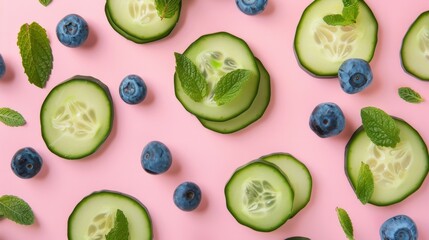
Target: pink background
202, 156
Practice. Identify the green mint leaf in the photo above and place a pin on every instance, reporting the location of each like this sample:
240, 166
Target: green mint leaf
192, 81
348, 3
409, 95
16, 209
11, 117
167, 8
335, 20
120, 229
351, 12
45, 2
380, 127
345, 223
229, 86
365, 183
36, 53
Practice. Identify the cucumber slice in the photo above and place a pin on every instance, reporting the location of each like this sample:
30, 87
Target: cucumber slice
321, 48
398, 172
76, 117
253, 113
298, 175
215, 55
93, 217
259, 196
415, 48
138, 20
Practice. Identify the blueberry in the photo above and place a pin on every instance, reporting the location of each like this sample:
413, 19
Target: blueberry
72, 30
132, 89
187, 196
400, 227
2, 67
251, 7
327, 119
355, 75
26, 163
156, 158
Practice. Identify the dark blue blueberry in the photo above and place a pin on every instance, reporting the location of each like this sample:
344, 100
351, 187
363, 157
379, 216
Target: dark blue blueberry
327, 120
26, 163
251, 7
72, 30
2, 67
354, 75
400, 227
187, 196
132, 89
156, 158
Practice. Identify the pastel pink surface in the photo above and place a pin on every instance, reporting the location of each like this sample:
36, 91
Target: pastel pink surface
199, 155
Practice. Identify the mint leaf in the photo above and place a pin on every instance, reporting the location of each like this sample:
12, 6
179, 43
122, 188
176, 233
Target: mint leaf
335, 20
16, 209
229, 86
349, 14
345, 223
36, 53
167, 8
45, 2
120, 229
380, 127
192, 81
11, 117
409, 95
365, 183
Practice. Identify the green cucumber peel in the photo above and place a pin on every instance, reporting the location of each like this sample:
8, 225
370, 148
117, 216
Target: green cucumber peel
167, 8
120, 229
410, 95
347, 17
11, 117
345, 222
16, 209
380, 127
191, 80
365, 183
229, 86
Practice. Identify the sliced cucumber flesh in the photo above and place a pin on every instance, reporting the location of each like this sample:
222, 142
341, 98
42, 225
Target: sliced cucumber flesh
76, 117
398, 172
259, 196
138, 20
94, 216
298, 175
322, 48
215, 55
415, 48
253, 113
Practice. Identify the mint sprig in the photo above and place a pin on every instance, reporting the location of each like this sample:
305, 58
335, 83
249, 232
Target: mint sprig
45, 2
120, 229
365, 183
229, 86
192, 81
380, 127
36, 53
11, 117
167, 8
409, 95
16, 209
345, 222
348, 15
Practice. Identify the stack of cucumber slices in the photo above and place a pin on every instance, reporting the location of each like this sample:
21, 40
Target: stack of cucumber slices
266, 192
142, 21
223, 84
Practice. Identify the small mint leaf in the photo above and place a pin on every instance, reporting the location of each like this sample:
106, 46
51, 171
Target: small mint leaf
345, 222
36, 53
351, 12
11, 117
16, 209
45, 2
167, 8
409, 95
365, 183
348, 3
229, 86
380, 127
192, 81
335, 19
120, 229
